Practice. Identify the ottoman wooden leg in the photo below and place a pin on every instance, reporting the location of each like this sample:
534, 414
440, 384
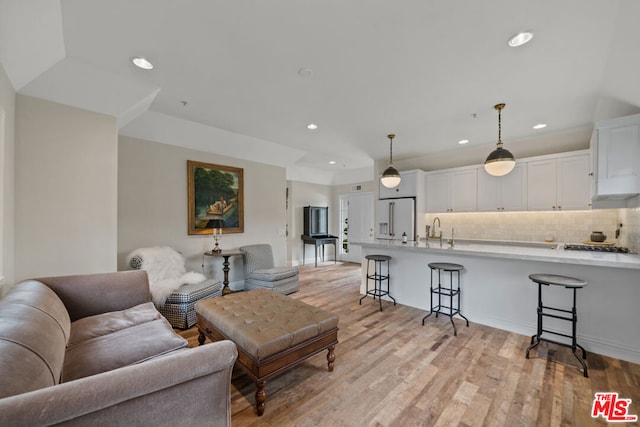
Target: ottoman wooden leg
261, 397
201, 337
331, 357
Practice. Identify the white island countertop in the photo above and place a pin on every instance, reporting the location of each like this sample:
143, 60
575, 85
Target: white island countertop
532, 251
496, 290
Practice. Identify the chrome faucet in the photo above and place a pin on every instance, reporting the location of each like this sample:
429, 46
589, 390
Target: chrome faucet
433, 227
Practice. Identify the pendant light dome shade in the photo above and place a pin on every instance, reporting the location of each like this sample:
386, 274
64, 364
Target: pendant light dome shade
390, 177
500, 162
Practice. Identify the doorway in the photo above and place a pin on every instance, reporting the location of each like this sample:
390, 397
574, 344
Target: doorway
356, 224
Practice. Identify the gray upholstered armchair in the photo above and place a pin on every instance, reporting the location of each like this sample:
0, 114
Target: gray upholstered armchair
260, 272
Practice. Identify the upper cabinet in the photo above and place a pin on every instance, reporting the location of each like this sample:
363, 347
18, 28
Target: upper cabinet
559, 183
615, 147
543, 183
503, 193
452, 191
408, 186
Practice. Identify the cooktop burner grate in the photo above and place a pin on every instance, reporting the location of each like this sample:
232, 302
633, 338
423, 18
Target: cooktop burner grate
597, 248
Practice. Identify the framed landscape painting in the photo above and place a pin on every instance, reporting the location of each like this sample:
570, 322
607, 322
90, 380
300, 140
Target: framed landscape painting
215, 195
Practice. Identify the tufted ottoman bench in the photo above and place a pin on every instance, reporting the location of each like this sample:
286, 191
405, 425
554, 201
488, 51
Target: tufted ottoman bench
273, 332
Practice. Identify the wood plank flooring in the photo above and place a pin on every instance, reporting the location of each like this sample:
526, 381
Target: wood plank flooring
392, 371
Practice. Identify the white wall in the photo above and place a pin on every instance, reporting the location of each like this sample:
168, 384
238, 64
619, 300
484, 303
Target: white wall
7, 150
152, 206
65, 190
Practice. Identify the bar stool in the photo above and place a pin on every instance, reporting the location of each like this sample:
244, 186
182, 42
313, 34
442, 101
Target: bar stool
378, 277
569, 283
449, 292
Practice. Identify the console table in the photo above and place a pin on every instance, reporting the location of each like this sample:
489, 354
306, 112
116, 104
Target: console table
319, 241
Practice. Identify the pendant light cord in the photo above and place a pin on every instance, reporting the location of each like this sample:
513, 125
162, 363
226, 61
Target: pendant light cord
500, 126
499, 107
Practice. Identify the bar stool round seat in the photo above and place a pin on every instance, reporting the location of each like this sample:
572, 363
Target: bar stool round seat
554, 279
567, 282
377, 257
450, 294
446, 266
378, 278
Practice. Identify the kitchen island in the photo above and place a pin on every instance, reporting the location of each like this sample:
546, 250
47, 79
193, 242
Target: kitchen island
497, 292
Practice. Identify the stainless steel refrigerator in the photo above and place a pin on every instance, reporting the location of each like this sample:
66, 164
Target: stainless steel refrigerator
395, 217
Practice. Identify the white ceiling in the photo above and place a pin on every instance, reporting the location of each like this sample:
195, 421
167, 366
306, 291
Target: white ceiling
417, 68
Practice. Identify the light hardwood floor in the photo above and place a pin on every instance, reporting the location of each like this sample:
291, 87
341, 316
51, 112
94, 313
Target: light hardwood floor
392, 371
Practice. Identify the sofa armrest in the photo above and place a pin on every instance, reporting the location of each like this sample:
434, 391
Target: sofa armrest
191, 385
90, 294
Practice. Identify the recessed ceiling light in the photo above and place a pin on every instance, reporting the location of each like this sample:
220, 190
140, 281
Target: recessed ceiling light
463, 141
142, 63
540, 126
312, 126
332, 162
520, 39
305, 72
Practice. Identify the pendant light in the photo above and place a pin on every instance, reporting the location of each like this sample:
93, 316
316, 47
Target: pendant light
390, 177
500, 162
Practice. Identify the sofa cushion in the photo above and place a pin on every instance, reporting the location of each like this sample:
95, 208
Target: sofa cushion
125, 347
194, 292
34, 327
103, 324
284, 286
273, 274
257, 257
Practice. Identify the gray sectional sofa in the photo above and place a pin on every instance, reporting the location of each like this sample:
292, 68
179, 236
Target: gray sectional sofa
93, 350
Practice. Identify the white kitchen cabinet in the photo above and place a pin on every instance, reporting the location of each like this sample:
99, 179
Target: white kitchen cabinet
559, 183
503, 193
437, 188
615, 148
408, 186
573, 185
452, 191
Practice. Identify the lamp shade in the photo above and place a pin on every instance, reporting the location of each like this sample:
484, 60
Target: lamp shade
215, 223
390, 177
500, 162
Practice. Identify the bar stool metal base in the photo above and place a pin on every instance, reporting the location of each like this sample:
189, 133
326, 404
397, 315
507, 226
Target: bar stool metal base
449, 292
378, 277
543, 311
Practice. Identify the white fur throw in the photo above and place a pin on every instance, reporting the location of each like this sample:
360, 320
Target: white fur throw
166, 271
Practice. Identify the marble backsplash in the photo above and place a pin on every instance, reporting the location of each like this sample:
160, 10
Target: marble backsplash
564, 226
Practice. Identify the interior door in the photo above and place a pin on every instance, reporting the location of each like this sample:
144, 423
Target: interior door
360, 214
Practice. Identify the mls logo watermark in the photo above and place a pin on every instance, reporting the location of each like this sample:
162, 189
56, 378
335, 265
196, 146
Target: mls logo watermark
612, 408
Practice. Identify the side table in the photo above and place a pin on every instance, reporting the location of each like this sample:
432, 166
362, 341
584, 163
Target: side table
226, 254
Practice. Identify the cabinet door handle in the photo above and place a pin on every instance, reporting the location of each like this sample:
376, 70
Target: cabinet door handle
392, 206
559, 207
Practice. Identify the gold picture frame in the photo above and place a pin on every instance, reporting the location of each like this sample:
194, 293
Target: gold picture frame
215, 198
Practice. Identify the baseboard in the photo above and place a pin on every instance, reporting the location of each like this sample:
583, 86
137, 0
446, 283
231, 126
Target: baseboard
590, 343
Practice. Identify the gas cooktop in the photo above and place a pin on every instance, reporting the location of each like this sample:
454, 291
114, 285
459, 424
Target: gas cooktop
596, 248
